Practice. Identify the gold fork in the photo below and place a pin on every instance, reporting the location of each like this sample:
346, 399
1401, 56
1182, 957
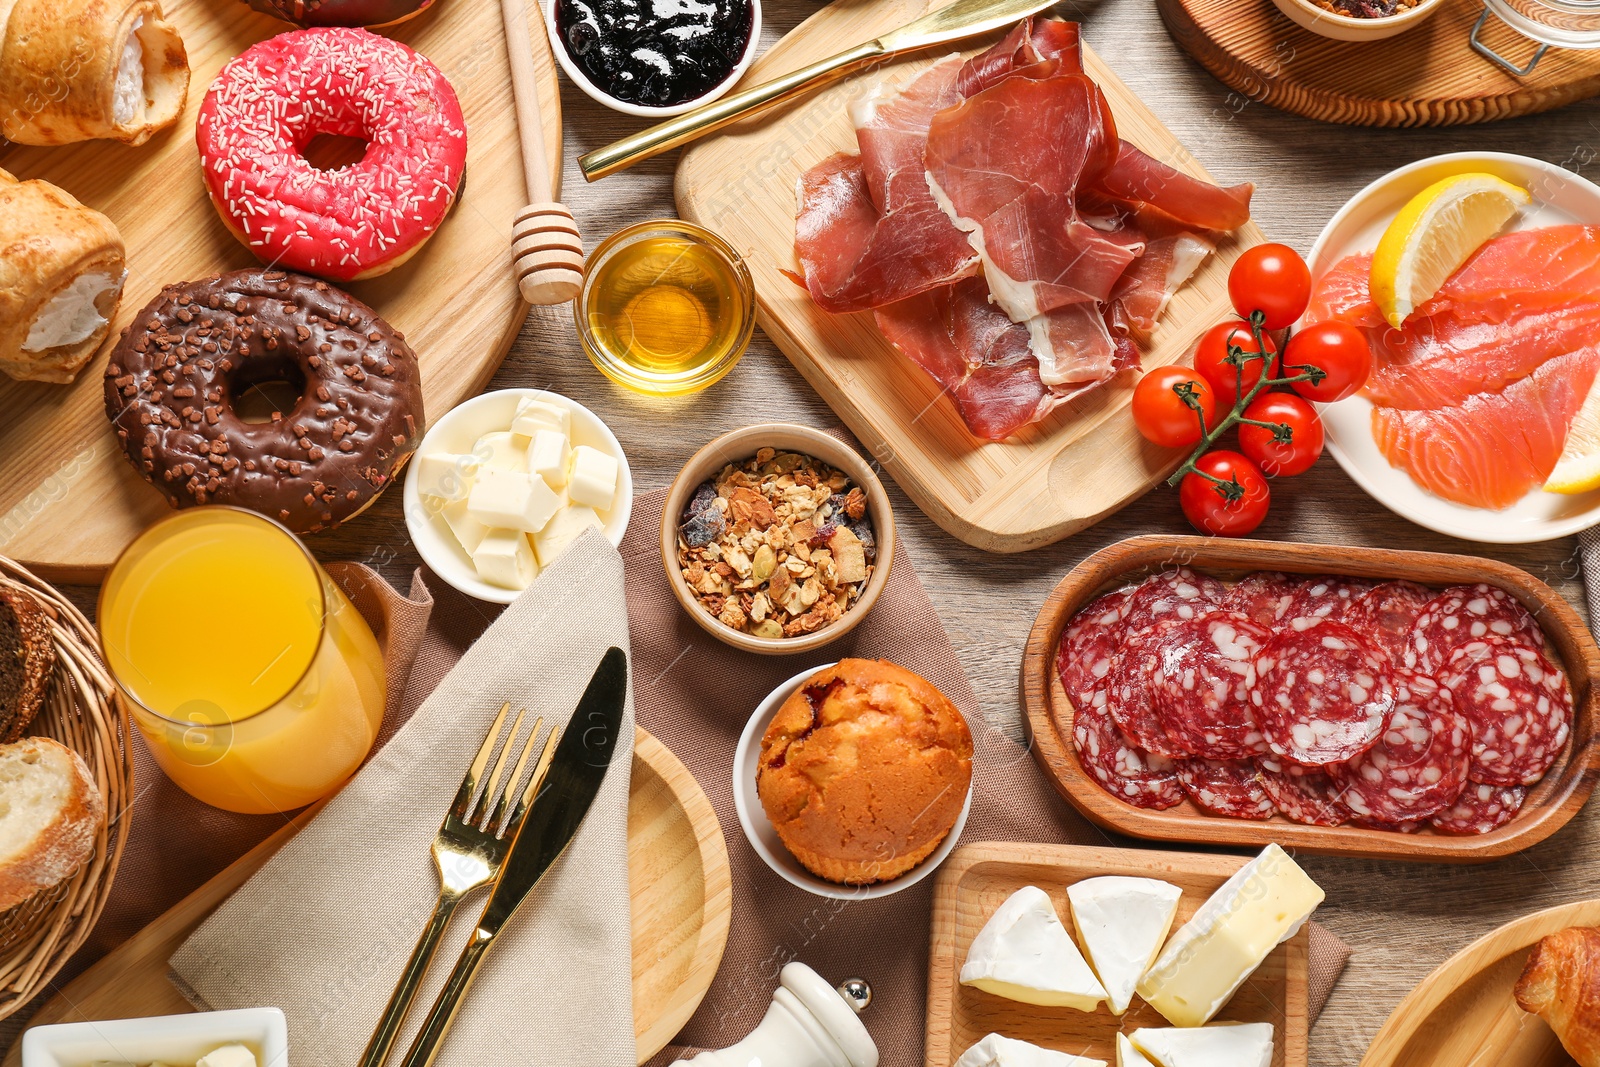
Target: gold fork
468, 851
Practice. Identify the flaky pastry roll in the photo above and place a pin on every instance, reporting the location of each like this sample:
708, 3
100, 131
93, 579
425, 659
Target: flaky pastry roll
75, 70
61, 271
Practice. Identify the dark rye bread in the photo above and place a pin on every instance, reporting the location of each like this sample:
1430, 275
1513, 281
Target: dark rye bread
27, 661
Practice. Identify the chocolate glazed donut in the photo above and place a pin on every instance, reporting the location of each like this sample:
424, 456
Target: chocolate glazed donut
173, 377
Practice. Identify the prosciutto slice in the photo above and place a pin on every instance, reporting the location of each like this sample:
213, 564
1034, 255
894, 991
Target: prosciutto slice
1164, 198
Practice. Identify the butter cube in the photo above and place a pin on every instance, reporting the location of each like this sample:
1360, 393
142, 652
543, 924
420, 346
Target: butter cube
228, 1056
505, 558
535, 415
594, 478
512, 500
446, 475
468, 530
562, 530
501, 451
548, 456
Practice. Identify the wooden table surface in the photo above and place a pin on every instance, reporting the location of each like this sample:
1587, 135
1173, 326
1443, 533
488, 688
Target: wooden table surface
1401, 919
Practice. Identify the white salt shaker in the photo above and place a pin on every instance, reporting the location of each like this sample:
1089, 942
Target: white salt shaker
810, 1024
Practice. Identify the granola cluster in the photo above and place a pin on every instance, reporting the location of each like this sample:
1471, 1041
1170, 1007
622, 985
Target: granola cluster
777, 546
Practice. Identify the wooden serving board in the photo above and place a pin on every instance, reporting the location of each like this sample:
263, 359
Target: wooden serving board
1054, 478
69, 500
976, 879
1465, 1013
1550, 804
1425, 76
682, 905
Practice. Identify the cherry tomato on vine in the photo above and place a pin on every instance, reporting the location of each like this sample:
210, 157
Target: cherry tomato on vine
1160, 412
1272, 279
1211, 360
1337, 349
1231, 509
1278, 458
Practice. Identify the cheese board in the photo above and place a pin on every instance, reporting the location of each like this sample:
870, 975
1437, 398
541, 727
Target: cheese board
69, 500
1550, 804
678, 875
1051, 479
1464, 1012
1425, 76
977, 878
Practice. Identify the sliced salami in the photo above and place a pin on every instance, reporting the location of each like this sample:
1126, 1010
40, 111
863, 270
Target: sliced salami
1466, 613
1200, 687
1328, 597
1129, 695
1392, 827
1303, 794
1419, 765
1089, 646
1120, 768
1179, 593
1480, 808
1322, 694
1264, 597
1386, 614
1518, 704
1226, 787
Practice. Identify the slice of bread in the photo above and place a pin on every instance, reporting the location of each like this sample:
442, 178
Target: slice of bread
50, 812
27, 660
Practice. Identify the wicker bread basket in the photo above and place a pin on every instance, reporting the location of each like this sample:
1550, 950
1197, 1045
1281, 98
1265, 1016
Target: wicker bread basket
83, 712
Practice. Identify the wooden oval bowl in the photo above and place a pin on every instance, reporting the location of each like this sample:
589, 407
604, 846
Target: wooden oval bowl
1553, 801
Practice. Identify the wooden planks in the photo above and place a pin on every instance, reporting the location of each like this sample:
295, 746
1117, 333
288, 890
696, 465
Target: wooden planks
1425, 76
1079, 465
69, 500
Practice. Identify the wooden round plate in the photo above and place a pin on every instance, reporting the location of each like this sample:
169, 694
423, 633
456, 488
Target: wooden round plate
1464, 1012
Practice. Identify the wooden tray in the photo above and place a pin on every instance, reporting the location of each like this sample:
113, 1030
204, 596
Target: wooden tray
1464, 1012
1550, 804
1426, 76
1053, 478
69, 501
682, 904
976, 878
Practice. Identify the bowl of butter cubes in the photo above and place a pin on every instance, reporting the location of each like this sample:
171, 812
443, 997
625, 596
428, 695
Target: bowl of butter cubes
249, 1037
505, 482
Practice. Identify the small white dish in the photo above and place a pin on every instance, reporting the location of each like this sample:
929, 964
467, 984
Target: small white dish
456, 432
558, 48
1338, 27
763, 836
161, 1039
1559, 196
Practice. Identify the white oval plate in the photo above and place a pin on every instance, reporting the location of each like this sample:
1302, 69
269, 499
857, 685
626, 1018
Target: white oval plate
1559, 196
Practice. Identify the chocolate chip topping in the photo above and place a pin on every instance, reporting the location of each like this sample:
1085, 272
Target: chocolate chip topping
172, 379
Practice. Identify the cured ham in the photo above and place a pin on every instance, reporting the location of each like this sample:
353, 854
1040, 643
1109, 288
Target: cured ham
1146, 185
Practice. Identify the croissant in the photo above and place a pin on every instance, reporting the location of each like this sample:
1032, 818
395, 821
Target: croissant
61, 273
1561, 985
74, 70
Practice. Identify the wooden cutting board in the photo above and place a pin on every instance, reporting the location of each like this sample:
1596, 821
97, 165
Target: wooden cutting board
1054, 478
1426, 76
1465, 1013
69, 500
682, 904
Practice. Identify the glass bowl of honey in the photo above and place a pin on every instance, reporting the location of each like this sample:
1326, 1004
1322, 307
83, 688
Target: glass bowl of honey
666, 308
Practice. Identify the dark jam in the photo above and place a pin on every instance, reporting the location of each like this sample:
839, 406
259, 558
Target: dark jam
655, 53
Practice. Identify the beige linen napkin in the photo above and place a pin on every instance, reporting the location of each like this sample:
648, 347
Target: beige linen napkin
324, 928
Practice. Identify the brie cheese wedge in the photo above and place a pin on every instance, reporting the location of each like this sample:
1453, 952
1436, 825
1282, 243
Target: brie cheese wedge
1121, 923
1223, 1045
1024, 953
1128, 1056
997, 1051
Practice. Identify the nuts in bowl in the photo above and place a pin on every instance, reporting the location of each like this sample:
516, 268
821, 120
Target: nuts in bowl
777, 538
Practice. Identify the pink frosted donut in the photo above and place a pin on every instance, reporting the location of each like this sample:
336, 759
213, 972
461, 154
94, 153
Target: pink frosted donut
362, 220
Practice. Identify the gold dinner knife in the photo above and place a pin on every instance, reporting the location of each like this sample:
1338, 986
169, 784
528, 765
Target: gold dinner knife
964, 18
583, 755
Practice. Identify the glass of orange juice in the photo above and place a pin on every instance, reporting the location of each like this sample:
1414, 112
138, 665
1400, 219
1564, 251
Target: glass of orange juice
255, 682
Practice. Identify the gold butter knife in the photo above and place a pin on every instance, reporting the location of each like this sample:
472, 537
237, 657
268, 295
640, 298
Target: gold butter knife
964, 18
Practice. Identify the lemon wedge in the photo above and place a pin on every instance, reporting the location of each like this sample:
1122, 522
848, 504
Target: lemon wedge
1434, 234
1578, 469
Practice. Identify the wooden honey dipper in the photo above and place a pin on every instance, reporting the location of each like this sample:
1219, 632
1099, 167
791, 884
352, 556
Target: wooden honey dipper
547, 250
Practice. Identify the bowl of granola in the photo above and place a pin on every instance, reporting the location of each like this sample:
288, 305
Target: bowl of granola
1358, 20
777, 538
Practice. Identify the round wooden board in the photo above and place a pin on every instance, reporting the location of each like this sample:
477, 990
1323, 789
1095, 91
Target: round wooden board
678, 878
1465, 1013
1426, 76
69, 501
